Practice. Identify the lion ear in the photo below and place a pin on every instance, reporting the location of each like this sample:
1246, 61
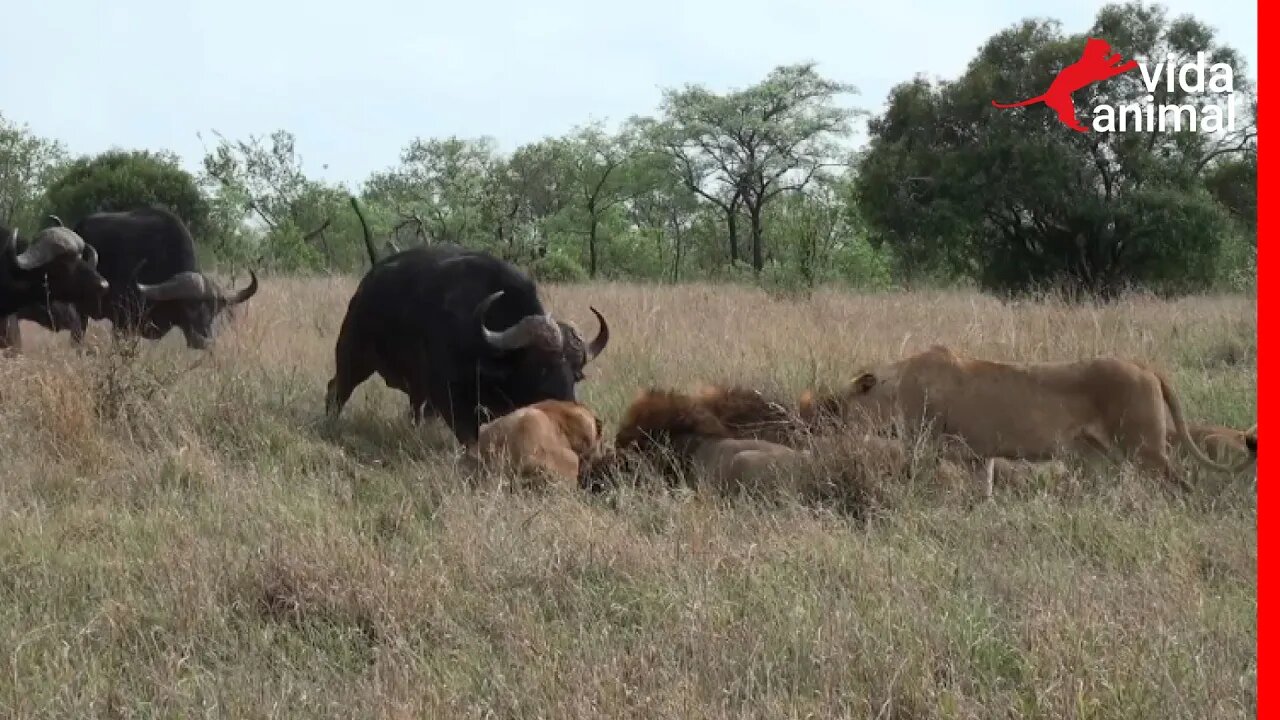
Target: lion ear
864, 383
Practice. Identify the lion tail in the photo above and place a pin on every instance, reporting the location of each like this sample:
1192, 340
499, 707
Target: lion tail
1180, 425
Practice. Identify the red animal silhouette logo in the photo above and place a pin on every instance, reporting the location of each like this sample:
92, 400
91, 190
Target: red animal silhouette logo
1097, 63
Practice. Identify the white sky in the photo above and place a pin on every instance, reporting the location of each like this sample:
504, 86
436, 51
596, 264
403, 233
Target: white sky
356, 83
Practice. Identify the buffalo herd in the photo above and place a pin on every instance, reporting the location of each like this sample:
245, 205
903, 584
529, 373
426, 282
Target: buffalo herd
465, 335
150, 282
461, 332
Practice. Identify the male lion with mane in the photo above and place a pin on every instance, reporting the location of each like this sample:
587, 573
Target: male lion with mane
683, 435
1028, 411
749, 413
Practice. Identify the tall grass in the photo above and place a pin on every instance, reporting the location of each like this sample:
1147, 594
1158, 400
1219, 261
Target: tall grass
183, 535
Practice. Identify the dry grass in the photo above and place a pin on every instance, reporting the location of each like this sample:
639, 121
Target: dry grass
182, 535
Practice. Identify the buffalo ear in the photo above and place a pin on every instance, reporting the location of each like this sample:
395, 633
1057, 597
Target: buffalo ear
864, 383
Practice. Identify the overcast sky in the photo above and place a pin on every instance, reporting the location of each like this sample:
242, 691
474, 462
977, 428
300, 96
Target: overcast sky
356, 81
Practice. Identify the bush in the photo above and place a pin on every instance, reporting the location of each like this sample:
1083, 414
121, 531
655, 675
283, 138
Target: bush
555, 266
1238, 263
126, 180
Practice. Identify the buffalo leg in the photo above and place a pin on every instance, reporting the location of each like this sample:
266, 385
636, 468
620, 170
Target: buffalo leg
415, 368
351, 371
458, 406
10, 334
63, 316
70, 319
78, 330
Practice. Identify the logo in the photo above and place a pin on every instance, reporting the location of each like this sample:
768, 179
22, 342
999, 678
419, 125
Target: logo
1099, 63
1095, 65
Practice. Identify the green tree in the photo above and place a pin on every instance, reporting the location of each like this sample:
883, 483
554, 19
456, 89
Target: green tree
126, 180
699, 173
662, 210
440, 190
27, 164
306, 223
596, 178
1018, 201
747, 147
821, 238
1233, 182
812, 225
522, 193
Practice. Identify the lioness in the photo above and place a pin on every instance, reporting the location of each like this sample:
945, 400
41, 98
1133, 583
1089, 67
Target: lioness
1222, 443
1029, 411
546, 440
686, 439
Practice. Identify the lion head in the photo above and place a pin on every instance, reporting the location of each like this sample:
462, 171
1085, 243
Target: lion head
868, 401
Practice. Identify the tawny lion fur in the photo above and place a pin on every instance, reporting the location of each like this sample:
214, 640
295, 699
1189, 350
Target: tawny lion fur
684, 437
1221, 443
748, 413
549, 440
1028, 411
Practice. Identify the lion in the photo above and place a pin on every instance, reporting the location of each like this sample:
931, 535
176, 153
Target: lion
1220, 442
749, 413
685, 438
549, 440
819, 412
1029, 411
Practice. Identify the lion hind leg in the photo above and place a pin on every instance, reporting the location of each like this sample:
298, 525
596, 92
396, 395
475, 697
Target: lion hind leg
1156, 460
755, 470
1093, 446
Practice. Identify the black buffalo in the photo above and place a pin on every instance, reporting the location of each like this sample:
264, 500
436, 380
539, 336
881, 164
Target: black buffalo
52, 315
149, 258
463, 333
57, 266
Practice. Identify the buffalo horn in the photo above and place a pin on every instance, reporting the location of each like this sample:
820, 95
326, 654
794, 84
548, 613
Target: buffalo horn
601, 339
182, 286
246, 293
518, 335
49, 244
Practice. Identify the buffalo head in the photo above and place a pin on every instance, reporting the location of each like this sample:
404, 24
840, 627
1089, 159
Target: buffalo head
539, 357
56, 266
190, 301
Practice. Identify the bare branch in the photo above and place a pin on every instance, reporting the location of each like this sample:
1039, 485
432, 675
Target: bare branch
308, 237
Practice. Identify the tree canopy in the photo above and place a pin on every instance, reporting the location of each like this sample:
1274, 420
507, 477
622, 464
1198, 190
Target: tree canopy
761, 183
1018, 201
125, 180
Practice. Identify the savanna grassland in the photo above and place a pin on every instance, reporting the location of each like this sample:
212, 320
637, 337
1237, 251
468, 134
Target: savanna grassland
183, 535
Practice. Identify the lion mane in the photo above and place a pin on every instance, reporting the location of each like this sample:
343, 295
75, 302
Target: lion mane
657, 416
749, 413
